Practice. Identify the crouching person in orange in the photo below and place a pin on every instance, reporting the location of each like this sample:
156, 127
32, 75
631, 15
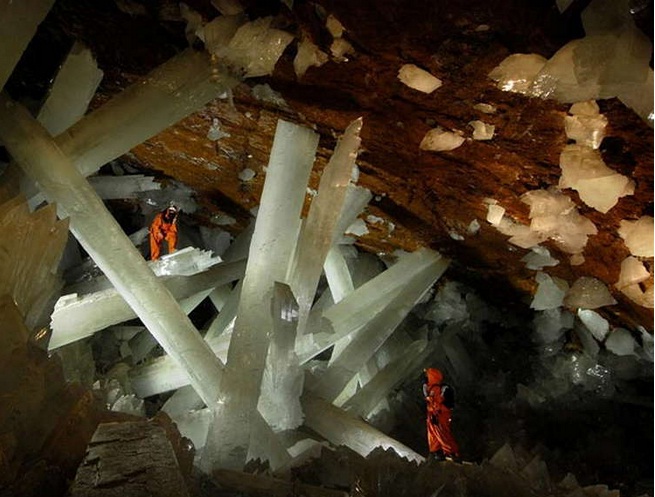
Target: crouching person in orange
440, 401
164, 227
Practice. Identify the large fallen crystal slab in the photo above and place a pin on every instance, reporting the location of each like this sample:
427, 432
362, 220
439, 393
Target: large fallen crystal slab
19, 21
35, 242
104, 240
271, 249
76, 317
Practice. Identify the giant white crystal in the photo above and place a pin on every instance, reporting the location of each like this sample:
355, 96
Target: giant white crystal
320, 230
104, 240
271, 249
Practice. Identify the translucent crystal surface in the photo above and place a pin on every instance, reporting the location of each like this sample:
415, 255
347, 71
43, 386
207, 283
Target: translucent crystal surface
282, 384
595, 323
319, 231
122, 187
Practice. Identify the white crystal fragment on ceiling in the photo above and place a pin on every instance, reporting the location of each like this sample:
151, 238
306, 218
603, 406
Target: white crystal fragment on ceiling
599, 186
357, 228
588, 293
595, 323
246, 174
418, 79
495, 214
217, 33
482, 131
520, 235
215, 132
335, 27
538, 258
586, 130
638, 236
517, 72
620, 342
485, 108
340, 48
308, 55
576, 259
633, 272
257, 47
473, 227
264, 93
554, 215
586, 108
550, 292
439, 140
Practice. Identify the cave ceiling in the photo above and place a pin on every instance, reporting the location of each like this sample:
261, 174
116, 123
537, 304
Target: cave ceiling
430, 198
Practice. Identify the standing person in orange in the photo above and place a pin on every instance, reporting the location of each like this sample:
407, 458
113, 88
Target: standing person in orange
440, 401
163, 227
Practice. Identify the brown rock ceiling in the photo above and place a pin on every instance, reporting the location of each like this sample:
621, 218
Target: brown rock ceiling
427, 195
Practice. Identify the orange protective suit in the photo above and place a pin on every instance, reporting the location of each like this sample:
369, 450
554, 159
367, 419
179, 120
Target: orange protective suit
163, 227
440, 438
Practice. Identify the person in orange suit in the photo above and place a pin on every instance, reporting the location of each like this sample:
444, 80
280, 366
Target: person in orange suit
163, 227
440, 403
